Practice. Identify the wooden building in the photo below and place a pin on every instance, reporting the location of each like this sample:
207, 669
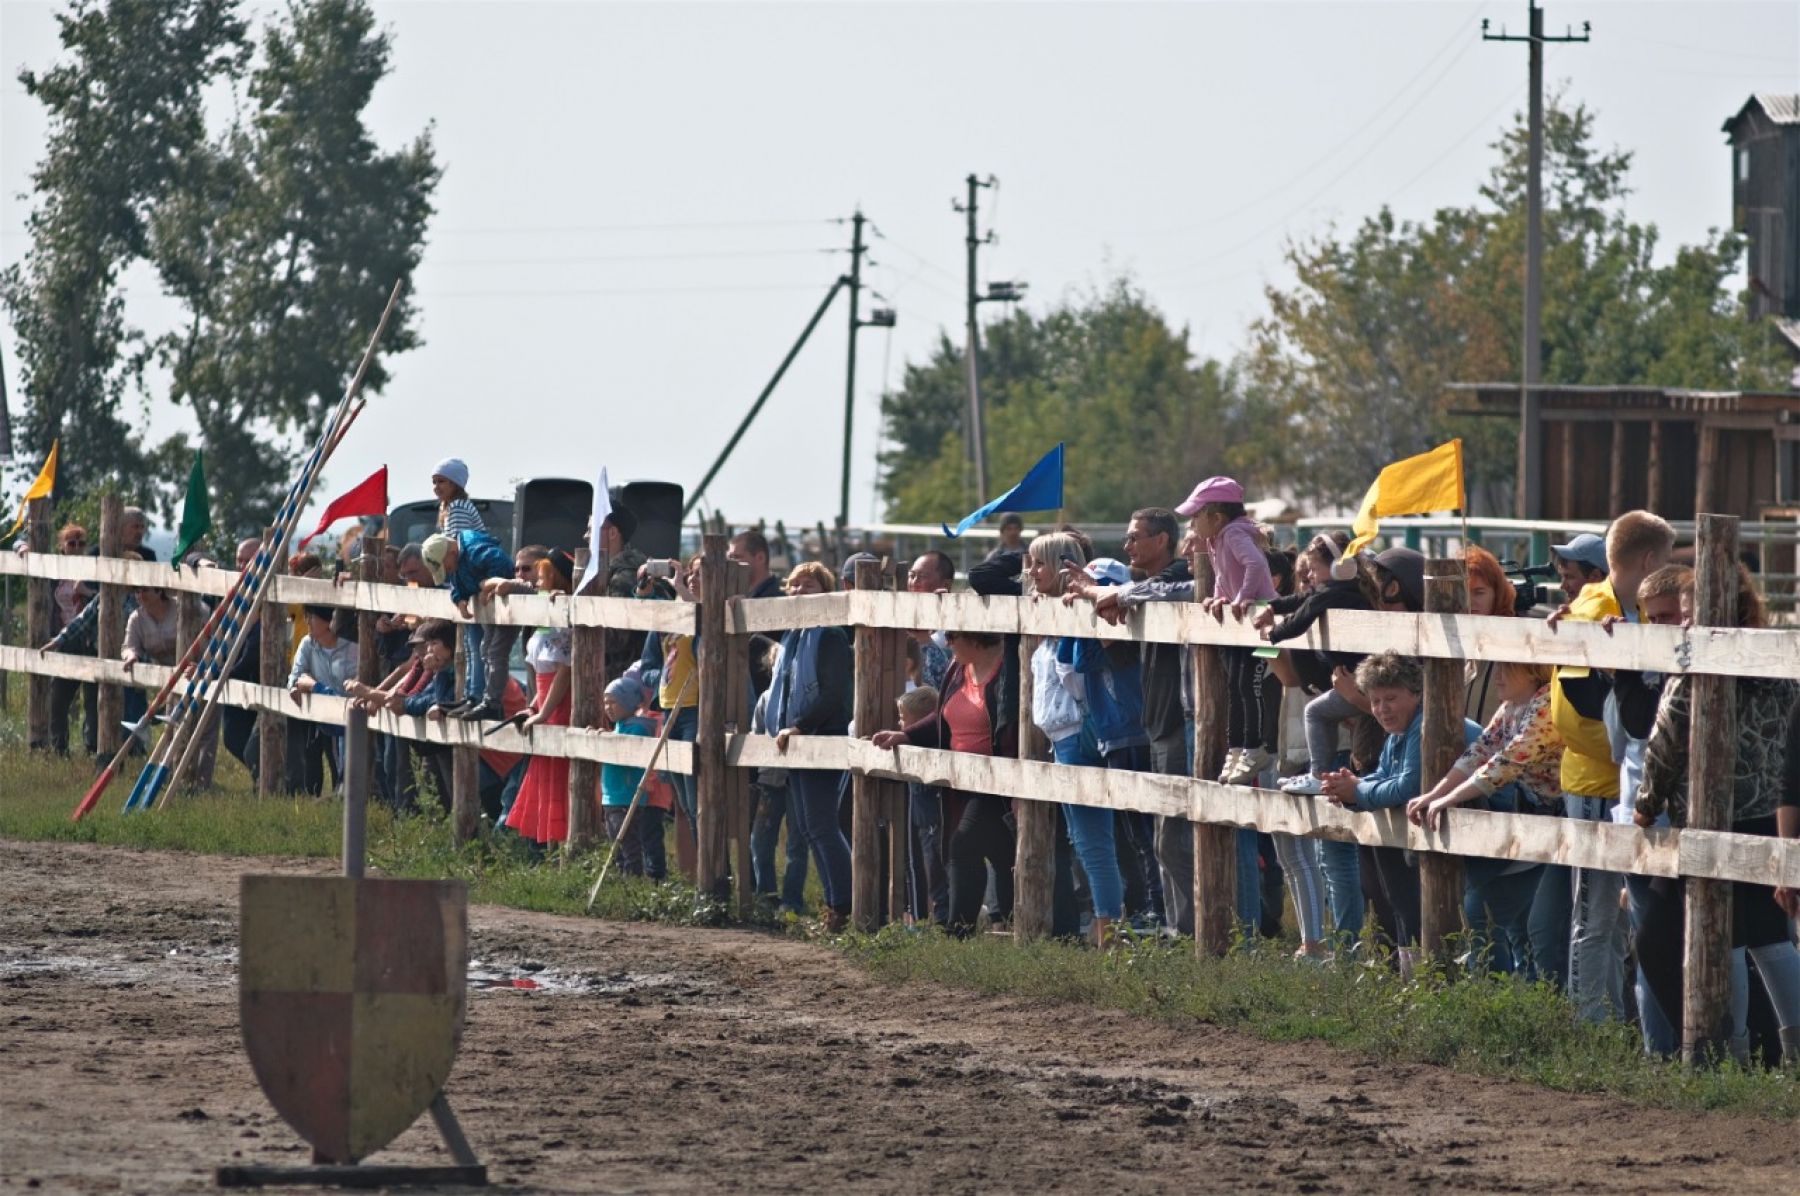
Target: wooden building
1765, 204
1610, 448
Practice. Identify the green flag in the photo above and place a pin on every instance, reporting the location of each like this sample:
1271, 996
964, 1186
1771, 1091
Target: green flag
196, 512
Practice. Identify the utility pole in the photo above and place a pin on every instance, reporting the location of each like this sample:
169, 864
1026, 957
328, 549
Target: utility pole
972, 427
856, 255
1528, 502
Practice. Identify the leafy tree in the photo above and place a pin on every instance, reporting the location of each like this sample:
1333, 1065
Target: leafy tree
1348, 369
1103, 372
125, 110
279, 236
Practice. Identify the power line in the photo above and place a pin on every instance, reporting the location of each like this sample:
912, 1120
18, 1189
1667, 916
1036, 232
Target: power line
1485, 122
668, 226
1325, 187
570, 259
693, 290
1343, 143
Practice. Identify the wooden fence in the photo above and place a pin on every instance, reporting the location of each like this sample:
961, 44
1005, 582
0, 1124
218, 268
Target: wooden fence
880, 619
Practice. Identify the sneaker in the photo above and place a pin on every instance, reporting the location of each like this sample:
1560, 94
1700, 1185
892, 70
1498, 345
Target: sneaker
1232, 756
1304, 785
1250, 763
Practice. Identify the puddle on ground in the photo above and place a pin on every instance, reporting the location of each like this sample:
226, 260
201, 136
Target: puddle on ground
537, 977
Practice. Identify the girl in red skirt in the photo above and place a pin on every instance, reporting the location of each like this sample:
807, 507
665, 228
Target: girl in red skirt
541, 812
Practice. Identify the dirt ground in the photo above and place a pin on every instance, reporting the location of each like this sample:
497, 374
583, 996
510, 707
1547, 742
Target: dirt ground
673, 1059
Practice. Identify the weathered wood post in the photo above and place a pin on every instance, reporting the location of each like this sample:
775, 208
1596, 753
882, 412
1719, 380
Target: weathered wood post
109, 637
271, 725
39, 600
368, 658
877, 688
1034, 870
465, 762
1440, 744
739, 702
587, 689
711, 660
1215, 846
1712, 762
899, 797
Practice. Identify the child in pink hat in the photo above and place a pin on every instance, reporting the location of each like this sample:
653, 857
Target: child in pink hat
1216, 516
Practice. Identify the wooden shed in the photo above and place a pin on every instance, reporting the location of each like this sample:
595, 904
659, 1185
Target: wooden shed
1610, 448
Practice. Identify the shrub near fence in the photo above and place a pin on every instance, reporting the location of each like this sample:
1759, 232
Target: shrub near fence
880, 619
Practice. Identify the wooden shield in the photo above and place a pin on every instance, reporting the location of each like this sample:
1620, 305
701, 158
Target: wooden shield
351, 993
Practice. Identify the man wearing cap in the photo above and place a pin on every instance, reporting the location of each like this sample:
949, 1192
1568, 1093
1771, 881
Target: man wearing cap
1579, 563
464, 561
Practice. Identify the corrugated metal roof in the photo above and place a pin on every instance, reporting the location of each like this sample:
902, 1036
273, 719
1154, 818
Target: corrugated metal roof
1781, 109
1782, 407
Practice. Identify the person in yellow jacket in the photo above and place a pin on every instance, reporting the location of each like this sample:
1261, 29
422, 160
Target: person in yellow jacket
1637, 544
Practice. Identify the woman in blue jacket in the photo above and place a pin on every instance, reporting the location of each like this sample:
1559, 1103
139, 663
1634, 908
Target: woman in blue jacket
810, 693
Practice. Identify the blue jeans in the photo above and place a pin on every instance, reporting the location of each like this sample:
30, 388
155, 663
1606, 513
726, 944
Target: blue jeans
1597, 928
772, 806
1497, 897
1249, 882
1343, 884
1660, 1038
475, 673
814, 793
1091, 832
930, 874
687, 726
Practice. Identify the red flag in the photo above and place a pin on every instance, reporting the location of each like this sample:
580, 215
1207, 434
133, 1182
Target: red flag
369, 498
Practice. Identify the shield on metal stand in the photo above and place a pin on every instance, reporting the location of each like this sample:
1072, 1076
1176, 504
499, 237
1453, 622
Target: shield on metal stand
351, 994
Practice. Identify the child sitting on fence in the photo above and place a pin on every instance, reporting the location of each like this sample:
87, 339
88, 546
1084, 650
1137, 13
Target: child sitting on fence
1216, 515
619, 782
1517, 911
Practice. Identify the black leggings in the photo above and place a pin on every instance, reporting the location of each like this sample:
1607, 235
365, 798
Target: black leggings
981, 836
1253, 698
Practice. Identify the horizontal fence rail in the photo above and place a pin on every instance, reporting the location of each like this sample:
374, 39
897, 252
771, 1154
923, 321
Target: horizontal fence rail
1717, 855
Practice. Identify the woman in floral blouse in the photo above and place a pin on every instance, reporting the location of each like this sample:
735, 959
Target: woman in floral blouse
1518, 912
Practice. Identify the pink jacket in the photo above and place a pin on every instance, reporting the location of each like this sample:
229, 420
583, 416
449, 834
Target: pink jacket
1240, 570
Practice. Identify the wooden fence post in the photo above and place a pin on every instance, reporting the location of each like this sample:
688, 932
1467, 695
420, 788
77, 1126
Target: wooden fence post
1215, 846
1712, 762
368, 654
709, 743
877, 688
1440, 744
39, 602
899, 796
1034, 870
109, 633
587, 688
739, 703
271, 725
465, 762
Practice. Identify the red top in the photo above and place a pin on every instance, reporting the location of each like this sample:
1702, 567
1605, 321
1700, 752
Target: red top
965, 712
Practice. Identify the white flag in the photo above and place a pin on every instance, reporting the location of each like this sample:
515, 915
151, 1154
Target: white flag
602, 509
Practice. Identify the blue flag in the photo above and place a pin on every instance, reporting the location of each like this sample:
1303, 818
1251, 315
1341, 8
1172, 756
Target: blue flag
1041, 489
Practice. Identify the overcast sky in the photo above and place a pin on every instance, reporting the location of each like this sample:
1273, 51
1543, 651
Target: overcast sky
639, 199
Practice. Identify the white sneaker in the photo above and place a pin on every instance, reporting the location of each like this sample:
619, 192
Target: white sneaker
1304, 785
1250, 763
1233, 757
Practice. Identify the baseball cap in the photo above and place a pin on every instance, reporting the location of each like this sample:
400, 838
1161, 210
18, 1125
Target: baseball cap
1408, 567
441, 630
1214, 489
1109, 570
1587, 548
433, 552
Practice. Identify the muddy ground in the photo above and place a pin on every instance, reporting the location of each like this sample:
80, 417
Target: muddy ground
673, 1059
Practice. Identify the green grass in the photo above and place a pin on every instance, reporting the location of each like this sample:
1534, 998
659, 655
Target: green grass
1491, 1026
1495, 1026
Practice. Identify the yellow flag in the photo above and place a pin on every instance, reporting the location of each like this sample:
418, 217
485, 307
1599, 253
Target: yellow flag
46, 482
1429, 482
